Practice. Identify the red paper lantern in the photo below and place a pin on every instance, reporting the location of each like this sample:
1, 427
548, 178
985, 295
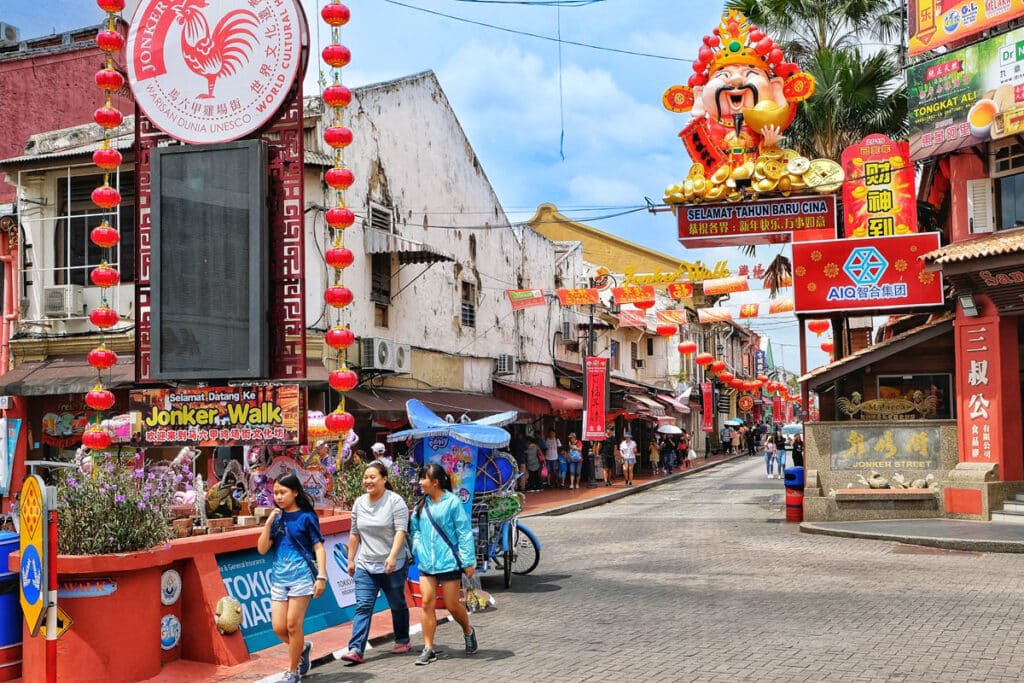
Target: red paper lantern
99, 398
109, 41
108, 117
104, 276
687, 348
335, 14
106, 158
339, 218
339, 257
717, 366
343, 380
762, 379
104, 235
339, 178
102, 358
752, 385
818, 327
111, 6
827, 346
644, 305
725, 375
338, 296
337, 55
339, 337
103, 317
704, 358
106, 197
338, 137
339, 422
109, 79
96, 439
666, 330
337, 96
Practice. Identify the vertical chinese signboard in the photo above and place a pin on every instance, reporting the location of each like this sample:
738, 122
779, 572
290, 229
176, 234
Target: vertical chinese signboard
707, 407
597, 373
878, 195
979, 401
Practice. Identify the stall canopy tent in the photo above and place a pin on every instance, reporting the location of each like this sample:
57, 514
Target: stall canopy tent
540, 400
486, 432
390, 403
64, 375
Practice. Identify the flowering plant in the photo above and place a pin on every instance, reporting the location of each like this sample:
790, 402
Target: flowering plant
347, 484
109, 503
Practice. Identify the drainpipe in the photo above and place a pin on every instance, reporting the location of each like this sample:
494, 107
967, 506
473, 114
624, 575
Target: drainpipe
10, 313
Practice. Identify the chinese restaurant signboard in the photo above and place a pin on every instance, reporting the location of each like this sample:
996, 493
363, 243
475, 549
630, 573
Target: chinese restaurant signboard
878, 195
885, 448
979, 399
967, 97
934, 23
216, 416
757, 222
867, 274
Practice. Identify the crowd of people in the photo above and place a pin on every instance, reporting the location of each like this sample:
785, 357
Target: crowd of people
771, 442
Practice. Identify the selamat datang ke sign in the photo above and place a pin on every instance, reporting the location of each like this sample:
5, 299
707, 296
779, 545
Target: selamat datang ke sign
857, 274
214, 70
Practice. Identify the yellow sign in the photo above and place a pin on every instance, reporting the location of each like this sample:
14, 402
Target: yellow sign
689, 272
64, 622
32, 573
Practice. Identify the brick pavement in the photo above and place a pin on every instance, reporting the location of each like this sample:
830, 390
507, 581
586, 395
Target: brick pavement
700, 580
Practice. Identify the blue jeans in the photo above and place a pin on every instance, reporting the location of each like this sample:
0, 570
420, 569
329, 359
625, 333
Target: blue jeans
781, 460
368, 587
769, 461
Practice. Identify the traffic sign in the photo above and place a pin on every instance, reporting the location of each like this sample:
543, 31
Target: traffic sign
64, 622
32, 576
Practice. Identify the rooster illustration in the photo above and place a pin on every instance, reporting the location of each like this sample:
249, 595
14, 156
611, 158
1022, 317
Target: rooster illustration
221, 53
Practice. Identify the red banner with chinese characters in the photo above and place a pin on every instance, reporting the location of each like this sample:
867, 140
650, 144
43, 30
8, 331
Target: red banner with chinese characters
680, 290
633, 294
765, 221
750, 310
878, 195
979, 392
578, 297
777, 415
632, 318
701, 148
525, 298
673, 317
707, 407
726, 285
597, 371
713, 315
875, 274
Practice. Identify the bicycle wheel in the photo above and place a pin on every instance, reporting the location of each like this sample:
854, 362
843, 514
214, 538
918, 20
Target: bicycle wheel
525, 553
507, 555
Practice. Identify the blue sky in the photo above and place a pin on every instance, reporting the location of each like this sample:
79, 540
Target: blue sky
514, 99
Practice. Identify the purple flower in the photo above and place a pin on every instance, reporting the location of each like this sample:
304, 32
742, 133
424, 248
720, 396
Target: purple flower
110, 467
119, 498
142, 506
72, 482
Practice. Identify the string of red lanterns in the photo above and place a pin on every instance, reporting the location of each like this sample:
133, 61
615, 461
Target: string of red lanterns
105, 236
339, 178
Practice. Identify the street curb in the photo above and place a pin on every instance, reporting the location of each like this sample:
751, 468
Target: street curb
622, 493
964, 544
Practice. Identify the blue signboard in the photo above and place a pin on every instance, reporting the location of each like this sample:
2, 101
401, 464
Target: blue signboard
759, 362
246, 576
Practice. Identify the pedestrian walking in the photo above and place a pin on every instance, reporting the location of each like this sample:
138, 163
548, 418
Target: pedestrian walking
780, 451
654, 455
518, 448
575, 461
752, 436
378, 558
442, 541
551, 448
627, 451
769, 455
726, 437
684, 448
534, 463
798, 450
668, 454
292, 531
608, 450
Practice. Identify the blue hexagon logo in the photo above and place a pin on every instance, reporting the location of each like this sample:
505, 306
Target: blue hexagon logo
865, 266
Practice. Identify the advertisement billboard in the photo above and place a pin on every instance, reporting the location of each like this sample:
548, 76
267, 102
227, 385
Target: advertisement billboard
758, 222
878, 195
934, 23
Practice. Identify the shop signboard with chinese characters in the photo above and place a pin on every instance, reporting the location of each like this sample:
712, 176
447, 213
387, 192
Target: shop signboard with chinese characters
578, 297
878, 195
707, 407
865, 274
979, 401
885, 448
934, 23
525, 298
762, 222
597, 379
216, 416
967, 96
633, 294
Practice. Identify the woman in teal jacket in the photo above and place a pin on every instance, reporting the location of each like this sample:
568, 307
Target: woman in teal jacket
442, 541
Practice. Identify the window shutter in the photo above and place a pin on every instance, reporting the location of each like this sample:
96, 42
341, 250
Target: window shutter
980, 210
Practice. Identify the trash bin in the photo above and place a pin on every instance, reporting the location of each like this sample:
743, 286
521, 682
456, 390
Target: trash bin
794, 479
10, 612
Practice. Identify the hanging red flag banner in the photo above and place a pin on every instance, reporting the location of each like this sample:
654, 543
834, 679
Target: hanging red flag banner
781, 306
633, 294
632, 318
713, 315
777, 408
701, 147
597, 370
750, 310
878, 195
578, 297
680, 290
726, 285
707, 407
673, 317
524, 298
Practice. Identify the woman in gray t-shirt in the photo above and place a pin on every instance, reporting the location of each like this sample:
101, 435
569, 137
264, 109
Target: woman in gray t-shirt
378, 559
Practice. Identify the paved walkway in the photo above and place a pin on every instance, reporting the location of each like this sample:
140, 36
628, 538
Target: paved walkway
995, 537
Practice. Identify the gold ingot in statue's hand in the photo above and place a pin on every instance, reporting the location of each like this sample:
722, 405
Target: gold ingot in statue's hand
766, 113
721, 175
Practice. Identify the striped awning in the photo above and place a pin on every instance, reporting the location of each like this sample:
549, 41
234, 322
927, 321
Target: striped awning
409, 251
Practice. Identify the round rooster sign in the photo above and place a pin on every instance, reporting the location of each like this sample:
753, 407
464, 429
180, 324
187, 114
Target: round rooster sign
208, 71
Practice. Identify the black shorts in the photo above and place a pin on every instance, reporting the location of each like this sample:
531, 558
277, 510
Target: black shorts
444, 576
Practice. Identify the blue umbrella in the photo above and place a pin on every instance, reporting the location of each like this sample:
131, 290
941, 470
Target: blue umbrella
485, 432
734, 422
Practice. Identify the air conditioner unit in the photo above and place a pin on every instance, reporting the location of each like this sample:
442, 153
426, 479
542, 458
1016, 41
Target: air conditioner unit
568, 334
63, 301
506, 365
638, 363
376, 354
403, 359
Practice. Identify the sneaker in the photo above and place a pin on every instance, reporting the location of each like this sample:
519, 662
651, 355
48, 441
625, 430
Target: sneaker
352, 656
401, 648
304, 658
471, 646
426, 657
290, 677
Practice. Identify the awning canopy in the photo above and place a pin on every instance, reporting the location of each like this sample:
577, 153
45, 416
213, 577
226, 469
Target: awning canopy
65, 375
672, 403
539, 400
646, 406
454, 403
409, 251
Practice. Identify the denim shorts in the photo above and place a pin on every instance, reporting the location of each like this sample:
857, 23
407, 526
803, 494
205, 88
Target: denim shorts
444, 576
299, 589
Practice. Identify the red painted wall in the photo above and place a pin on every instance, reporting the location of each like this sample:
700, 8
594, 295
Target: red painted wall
962, 167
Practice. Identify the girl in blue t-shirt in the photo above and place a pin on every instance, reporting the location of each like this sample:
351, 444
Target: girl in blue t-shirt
293, 532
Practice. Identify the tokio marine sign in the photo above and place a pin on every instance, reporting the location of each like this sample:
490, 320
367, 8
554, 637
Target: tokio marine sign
209, 71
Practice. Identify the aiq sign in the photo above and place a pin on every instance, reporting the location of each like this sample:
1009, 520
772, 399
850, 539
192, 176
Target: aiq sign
757, 222
857, 274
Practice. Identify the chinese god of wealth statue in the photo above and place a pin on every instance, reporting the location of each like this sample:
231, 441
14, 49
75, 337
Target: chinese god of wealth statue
743, 96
